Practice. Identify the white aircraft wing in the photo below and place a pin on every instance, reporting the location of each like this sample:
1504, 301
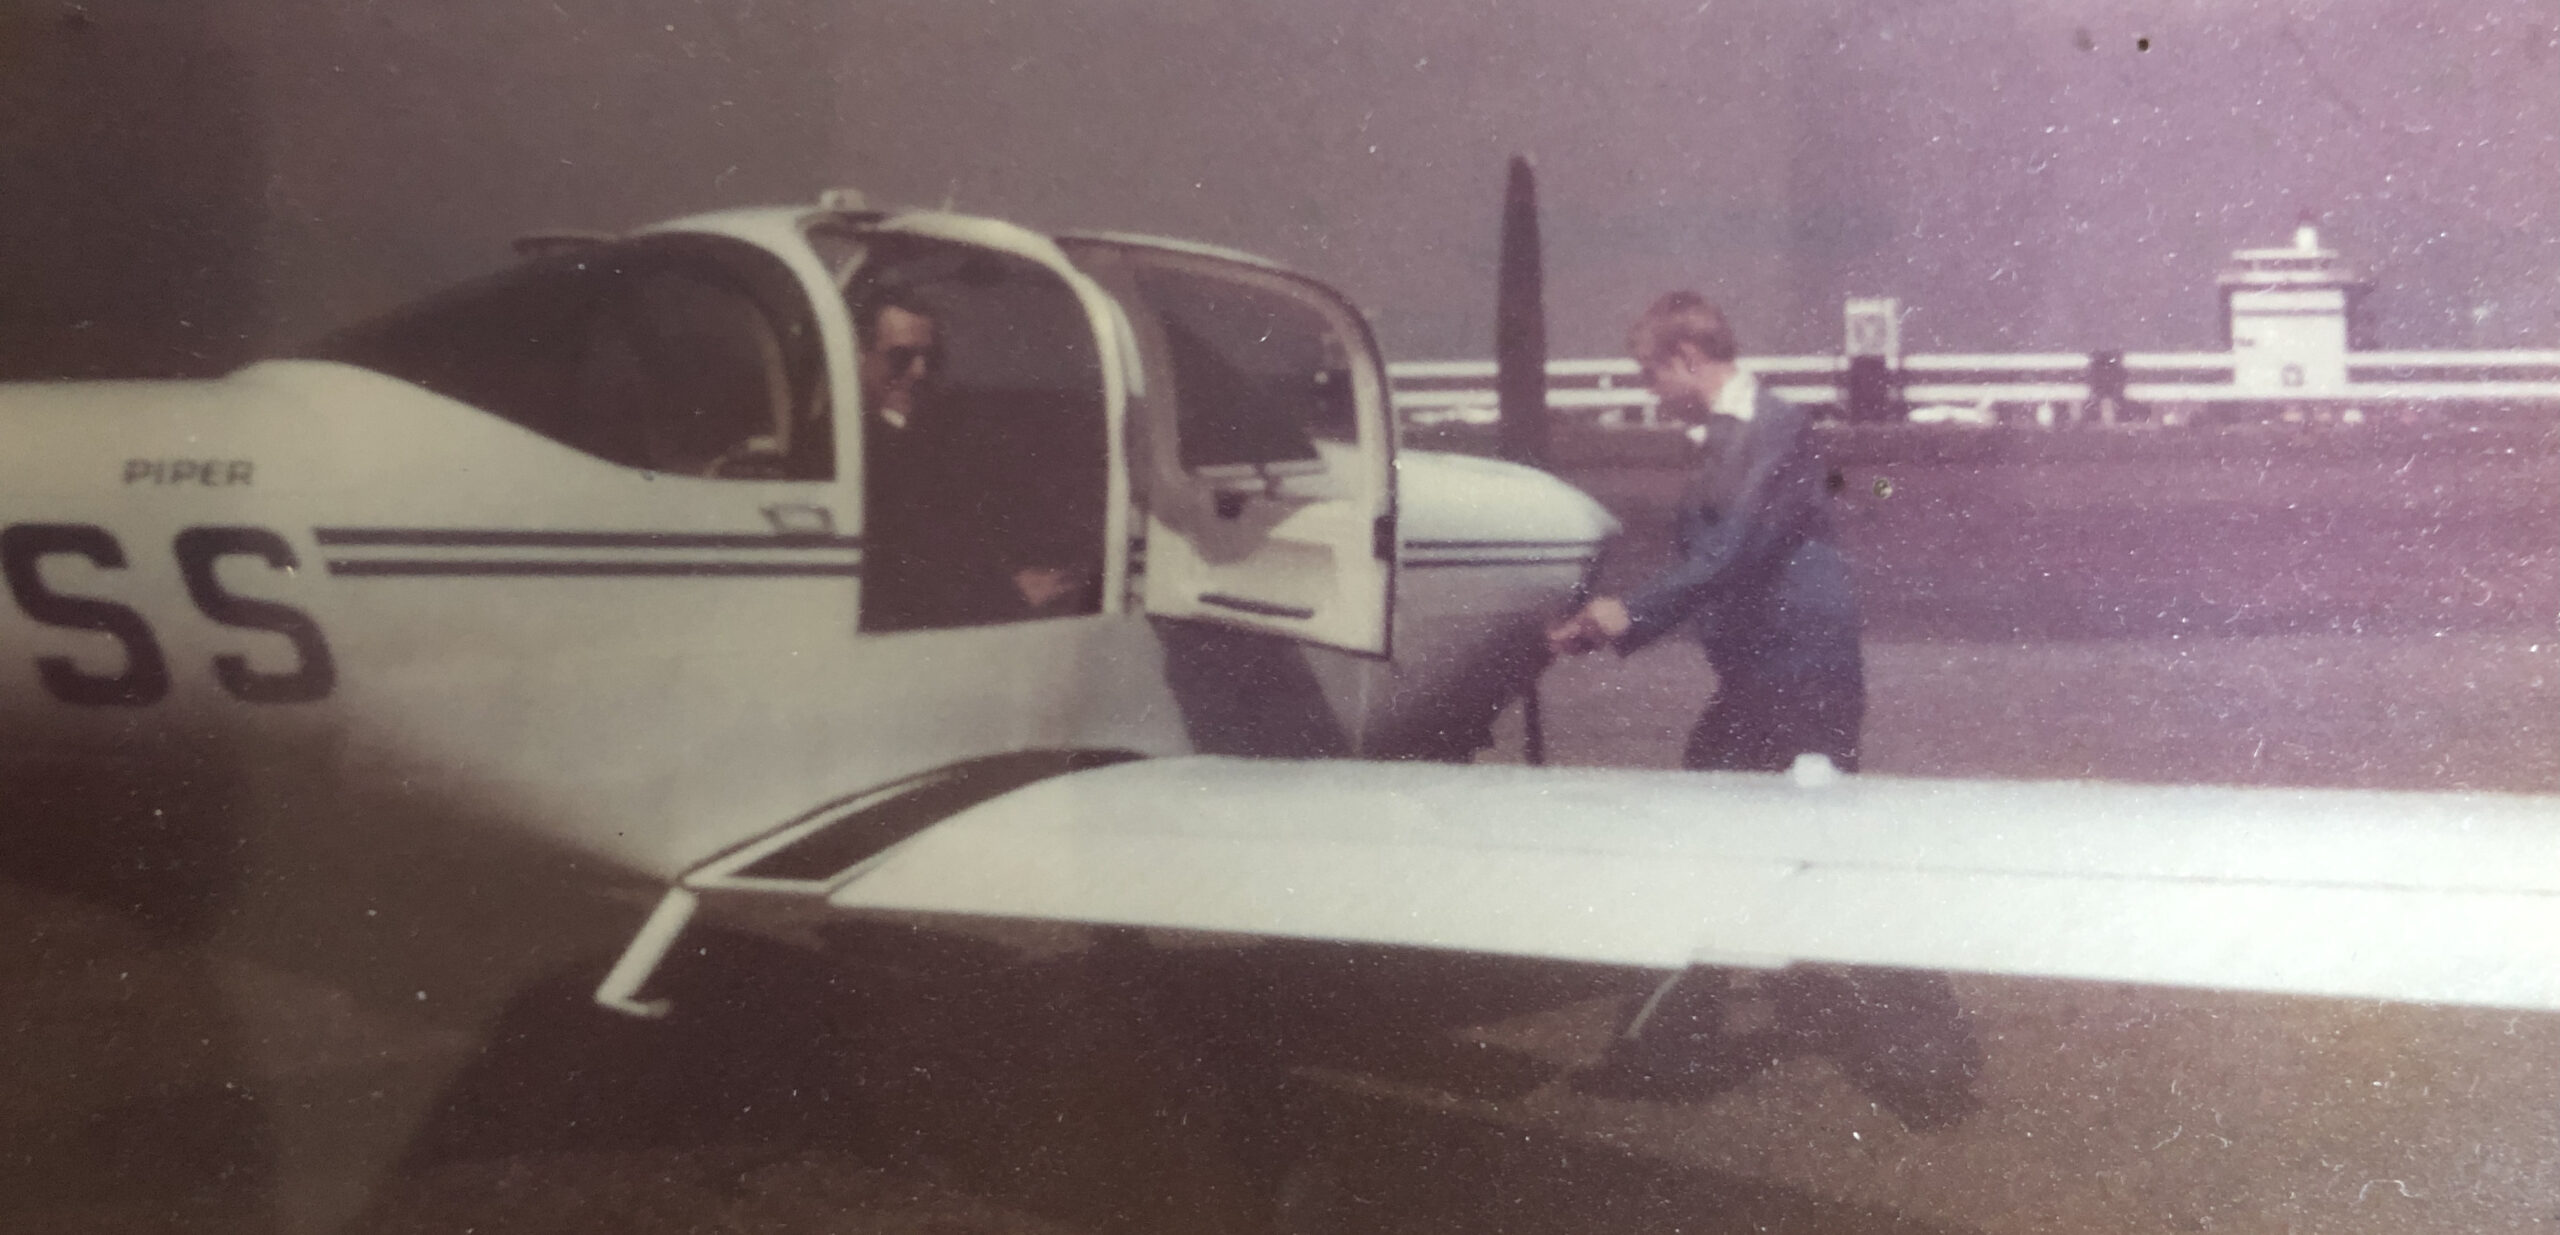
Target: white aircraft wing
2419, 897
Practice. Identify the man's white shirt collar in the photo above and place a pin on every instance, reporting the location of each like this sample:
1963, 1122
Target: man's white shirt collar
1740, 397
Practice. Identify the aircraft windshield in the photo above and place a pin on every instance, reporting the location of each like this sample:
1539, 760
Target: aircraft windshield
685, 355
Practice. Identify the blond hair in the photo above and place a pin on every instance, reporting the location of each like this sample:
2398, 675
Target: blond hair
1677, 318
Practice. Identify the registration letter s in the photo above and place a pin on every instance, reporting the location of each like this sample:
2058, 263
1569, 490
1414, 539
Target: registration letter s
198, 549
23, 548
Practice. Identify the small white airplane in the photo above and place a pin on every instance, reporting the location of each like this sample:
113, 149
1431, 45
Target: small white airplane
567, 609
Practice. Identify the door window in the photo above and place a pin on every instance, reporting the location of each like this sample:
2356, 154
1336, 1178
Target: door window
1260, 375
1268, 469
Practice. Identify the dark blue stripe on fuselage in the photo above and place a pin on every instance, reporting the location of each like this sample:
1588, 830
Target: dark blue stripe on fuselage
479, 538
431, 567
1502, 544
1428, 563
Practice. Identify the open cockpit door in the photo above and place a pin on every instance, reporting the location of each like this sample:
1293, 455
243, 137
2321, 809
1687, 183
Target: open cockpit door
1263, 445
992, 380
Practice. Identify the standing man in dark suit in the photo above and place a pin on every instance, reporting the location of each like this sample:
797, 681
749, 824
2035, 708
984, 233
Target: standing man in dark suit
1760, 574
1762, 579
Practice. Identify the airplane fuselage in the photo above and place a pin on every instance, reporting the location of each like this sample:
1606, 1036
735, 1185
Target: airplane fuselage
348, 622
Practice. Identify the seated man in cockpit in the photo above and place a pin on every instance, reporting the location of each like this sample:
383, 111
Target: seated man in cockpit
956, 532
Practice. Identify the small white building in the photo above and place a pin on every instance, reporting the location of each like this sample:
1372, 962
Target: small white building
2293, 316
1874, 328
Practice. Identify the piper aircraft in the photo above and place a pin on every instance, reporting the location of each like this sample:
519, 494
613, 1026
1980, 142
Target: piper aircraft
565, 610
625, 482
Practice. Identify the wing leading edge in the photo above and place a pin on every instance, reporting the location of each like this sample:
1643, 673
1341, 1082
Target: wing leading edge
2433, 898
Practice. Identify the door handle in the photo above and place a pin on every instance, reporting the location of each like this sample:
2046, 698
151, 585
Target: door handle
800, 519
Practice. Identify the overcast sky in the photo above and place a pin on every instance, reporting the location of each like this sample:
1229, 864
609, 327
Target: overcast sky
2020, 173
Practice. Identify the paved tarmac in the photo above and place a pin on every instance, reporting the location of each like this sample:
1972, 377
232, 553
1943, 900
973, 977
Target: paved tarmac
2363, 608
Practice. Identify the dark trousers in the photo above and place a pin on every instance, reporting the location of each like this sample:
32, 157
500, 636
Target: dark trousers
1756, 726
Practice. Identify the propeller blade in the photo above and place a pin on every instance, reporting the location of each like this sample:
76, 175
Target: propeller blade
1520, 324
1520, 369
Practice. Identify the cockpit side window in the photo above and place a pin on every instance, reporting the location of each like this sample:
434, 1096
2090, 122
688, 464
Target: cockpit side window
714, 397
690, 355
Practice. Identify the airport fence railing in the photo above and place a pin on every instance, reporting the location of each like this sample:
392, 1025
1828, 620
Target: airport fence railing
2048, 389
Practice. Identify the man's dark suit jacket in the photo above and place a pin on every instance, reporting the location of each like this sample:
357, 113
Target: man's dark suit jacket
975, 491
1761, 573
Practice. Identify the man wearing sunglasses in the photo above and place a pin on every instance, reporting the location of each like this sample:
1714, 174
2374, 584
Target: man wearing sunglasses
901, 355
944, 544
